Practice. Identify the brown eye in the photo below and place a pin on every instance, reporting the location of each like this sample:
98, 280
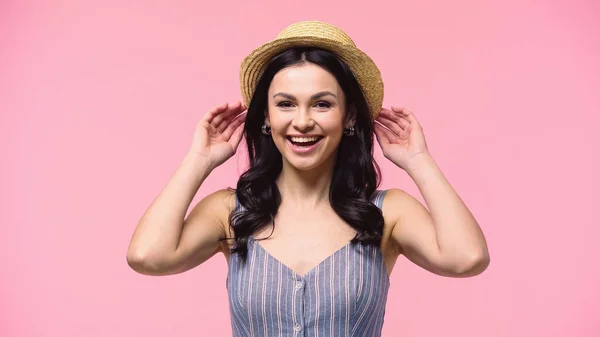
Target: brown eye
323, 105
284, 105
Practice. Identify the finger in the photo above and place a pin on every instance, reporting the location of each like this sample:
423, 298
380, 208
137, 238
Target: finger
404, 124
227, 127
406, 114
397, 108
391, 136
380, 134
210, 114
398, 116
402, 111
233, 126
237, 135
395, 116
390, 114
225, 123
412, 119
233, 110
390, 124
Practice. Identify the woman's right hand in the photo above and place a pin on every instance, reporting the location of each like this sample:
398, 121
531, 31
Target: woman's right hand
219, 133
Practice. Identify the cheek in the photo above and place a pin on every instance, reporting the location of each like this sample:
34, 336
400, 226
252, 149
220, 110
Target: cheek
278, 126
332, 127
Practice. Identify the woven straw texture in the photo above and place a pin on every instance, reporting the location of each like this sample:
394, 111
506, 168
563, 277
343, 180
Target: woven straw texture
322, 35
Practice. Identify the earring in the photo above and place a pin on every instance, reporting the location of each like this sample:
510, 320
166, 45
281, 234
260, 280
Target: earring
349, 131
266, 129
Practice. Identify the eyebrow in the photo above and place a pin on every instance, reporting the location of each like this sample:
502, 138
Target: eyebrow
315, 96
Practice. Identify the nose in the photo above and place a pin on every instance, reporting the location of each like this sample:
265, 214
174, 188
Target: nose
303, 120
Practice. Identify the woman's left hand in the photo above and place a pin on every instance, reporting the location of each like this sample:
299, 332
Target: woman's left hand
403, 140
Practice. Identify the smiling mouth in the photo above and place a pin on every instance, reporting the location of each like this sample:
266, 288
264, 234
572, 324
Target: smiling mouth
304, 141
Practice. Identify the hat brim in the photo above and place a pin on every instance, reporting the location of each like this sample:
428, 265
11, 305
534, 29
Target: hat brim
365, 70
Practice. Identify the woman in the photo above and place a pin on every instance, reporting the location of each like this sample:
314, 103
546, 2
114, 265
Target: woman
309, 239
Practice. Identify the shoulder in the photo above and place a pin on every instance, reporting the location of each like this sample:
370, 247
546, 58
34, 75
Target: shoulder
223, 199
396, 204
377, 197
406, 218
400, 211
217, 205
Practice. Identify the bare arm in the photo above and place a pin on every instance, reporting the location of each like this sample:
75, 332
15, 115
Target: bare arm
445, 240
164, 241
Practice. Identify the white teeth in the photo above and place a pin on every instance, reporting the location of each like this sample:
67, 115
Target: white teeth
303, 139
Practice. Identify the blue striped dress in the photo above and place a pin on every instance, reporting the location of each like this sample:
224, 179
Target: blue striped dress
344, 295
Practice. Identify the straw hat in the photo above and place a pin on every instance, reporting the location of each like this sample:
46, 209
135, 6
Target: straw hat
322, 35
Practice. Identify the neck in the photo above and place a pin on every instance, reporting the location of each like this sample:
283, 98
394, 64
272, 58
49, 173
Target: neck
307, 188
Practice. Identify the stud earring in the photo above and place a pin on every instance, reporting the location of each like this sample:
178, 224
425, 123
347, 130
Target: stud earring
349, 131
266, 129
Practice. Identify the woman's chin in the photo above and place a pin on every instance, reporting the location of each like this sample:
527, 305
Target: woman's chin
307, 164
308, 160
303, 165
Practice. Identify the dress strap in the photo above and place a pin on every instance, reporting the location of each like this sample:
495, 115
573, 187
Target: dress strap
237, 209
377, 197
238, 205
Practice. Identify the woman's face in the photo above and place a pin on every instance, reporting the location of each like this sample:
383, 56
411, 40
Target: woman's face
306, 113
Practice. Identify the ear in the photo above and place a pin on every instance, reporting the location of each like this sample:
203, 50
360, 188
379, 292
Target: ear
350, 122
266, 114
350, 116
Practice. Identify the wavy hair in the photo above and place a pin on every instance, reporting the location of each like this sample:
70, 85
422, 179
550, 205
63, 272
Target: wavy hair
356, 175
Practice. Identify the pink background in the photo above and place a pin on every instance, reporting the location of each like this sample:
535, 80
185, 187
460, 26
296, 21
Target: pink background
98, 101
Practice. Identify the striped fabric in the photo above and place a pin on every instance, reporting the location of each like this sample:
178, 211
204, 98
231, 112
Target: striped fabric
344, 295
